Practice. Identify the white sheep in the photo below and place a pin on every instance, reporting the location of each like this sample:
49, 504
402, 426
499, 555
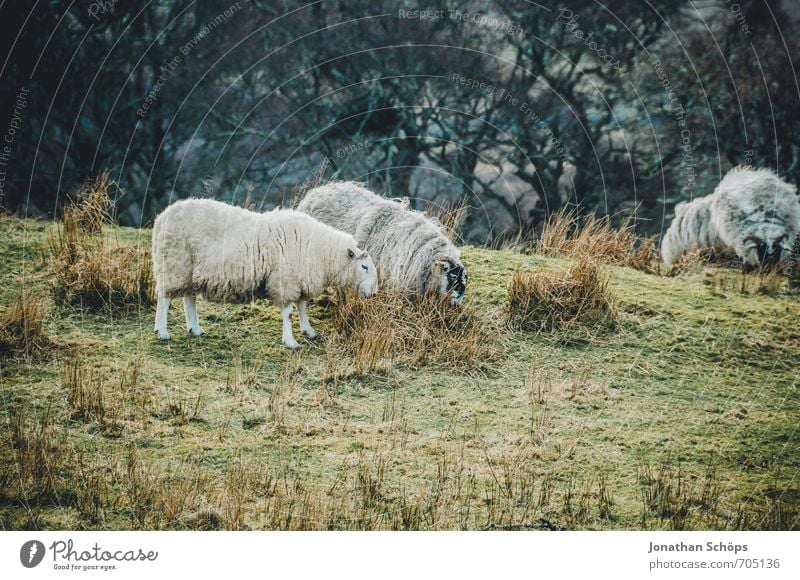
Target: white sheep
752, 213
229, 254
411, 250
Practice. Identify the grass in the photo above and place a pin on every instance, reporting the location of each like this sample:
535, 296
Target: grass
683, 415
21, 327
546, 300
90, 270
566, 233
391, 329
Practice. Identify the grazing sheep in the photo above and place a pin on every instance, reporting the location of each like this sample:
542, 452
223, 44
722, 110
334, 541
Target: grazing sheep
752, 212
411, 251
229, 254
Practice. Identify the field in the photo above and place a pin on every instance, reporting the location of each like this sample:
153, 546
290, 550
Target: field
681, 414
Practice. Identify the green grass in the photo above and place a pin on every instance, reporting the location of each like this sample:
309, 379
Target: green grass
685, 415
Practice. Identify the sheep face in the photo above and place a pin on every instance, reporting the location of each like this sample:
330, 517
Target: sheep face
765, 245
364, 276
450, 277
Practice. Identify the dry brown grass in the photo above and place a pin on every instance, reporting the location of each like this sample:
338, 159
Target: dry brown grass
22, 327
695, 261
249, 203
92, 206
676, 498
86, 400
722, 281
451, 216
553, 300
90, 272
394, 329
35, 458
567, 234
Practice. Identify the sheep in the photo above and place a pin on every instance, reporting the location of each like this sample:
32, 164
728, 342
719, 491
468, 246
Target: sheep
752, 213
691, 229
411, 251
229, 254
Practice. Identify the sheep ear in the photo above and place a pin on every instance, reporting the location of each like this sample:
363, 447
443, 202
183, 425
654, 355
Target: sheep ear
350, 253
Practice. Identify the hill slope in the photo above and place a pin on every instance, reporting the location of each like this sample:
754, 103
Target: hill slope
684, 416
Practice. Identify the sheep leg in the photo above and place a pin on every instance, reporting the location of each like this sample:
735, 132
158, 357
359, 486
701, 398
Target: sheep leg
190, 310
305, 325
162, 309
288, 337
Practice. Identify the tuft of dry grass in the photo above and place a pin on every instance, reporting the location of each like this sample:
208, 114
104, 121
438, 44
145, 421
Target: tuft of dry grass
22, 327
722, 281
451, 216
35, 459
89, 272
695, 261
86, 401
392, 328
677, 498
92, 206
568, 234
553, 300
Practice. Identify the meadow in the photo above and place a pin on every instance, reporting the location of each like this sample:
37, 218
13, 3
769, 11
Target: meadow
616, 398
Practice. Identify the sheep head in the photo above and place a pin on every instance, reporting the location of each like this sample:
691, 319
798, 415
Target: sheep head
363, 275
764, 245
449, 276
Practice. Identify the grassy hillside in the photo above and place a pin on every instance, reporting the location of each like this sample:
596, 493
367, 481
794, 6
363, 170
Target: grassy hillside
685, 414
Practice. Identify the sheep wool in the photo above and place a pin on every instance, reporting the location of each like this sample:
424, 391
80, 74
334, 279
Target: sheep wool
229, 254
752, 213
412, 253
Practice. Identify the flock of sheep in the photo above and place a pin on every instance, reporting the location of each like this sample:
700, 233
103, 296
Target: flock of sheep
344, 236
341, 236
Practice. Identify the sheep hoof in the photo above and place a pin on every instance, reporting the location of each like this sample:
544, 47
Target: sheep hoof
294, 345
163, 335
198, 332
311, 335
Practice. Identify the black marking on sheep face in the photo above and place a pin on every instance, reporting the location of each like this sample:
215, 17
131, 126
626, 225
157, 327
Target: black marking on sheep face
769, 253
457, 282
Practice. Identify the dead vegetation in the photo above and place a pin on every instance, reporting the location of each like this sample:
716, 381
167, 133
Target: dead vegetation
394, 329
450, 216
35, 460
573, 236
22, 327
91, 207
136, 440
546, 300
86, 399
722, 281
677, 498
696, 260
91, 273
